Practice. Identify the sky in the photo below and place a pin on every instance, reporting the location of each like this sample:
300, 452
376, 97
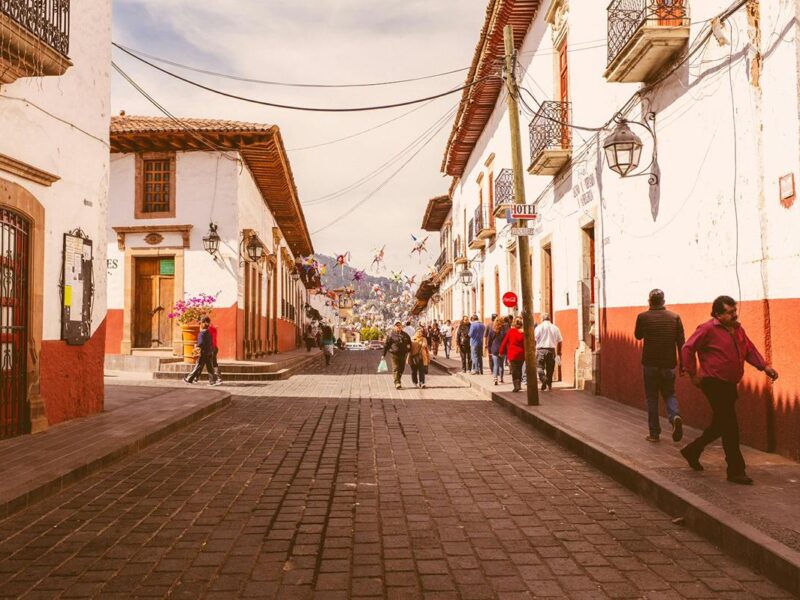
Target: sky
329, 42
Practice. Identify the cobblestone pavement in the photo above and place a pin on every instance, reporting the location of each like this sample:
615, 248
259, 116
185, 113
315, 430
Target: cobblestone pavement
335, 485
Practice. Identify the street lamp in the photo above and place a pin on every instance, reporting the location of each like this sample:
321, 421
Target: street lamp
466, 276
211, 240
255, 249
623, 148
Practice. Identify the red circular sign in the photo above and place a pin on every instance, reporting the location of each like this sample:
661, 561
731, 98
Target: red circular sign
510, 299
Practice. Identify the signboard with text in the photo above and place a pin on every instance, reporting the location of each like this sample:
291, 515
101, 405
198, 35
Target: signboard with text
509, 299
523, 211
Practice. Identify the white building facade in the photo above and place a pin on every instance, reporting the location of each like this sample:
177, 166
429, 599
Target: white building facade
711, 88
55, 58
171, 185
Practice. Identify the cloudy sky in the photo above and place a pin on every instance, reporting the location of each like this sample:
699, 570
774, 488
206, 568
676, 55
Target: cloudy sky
329, 42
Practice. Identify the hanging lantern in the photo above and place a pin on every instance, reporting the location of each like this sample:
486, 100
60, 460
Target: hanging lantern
466, 276
211, 240
623, 149
255, 250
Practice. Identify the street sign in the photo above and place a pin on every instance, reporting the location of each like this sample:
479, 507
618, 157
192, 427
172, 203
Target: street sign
518, 231
509, 299
523, 211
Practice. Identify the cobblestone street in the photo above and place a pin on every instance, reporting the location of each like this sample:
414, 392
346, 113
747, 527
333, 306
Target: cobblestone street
333, 484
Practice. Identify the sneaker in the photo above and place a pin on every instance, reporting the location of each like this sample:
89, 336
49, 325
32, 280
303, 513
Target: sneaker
652, 438
397, 386
677, 429
218, 382
187, 380
495, 381
740, 479
544, 387
422, 385
692, 459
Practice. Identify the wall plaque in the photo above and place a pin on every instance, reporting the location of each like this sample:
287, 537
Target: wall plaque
77, 288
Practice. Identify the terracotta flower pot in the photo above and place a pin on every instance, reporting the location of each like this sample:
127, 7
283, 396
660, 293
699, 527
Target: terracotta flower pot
189, 335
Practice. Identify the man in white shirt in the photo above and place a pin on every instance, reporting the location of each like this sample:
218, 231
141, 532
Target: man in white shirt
548, 346
409, 329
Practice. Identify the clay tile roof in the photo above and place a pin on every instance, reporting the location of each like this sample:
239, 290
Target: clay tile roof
436, 213
478, 102
260, 145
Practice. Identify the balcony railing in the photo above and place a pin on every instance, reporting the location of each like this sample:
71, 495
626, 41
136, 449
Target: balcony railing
459, 254
503, 192
484, 223
642, 34
48, 20
551, 140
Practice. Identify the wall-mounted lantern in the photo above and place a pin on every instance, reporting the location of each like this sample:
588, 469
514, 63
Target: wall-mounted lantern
211, 240
623, 148
466, 276
254, 247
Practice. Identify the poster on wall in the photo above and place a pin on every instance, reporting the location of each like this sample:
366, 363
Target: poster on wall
77, 288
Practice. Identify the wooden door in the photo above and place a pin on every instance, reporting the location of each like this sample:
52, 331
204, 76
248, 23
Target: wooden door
154, 290
671, 13
563, 84
547, 280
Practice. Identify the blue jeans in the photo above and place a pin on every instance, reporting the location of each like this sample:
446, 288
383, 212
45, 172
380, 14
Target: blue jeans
477, 357
659, 381
447, 342
498, 361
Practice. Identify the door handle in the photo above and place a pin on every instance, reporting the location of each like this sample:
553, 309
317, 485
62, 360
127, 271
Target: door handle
157, 309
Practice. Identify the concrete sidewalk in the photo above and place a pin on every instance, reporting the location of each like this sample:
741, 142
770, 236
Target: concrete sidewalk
36, 466
759, 524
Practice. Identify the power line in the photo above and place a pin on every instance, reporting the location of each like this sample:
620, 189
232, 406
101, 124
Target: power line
383, 184
284, 83
331, 196
302, 108
362, 132
163, 110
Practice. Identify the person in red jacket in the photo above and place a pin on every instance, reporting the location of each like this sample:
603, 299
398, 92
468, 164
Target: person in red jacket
513, 348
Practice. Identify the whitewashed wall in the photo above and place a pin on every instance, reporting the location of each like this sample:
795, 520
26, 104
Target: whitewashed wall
60, 125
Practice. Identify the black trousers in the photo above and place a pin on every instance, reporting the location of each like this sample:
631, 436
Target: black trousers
516, 372
466, 357
205, 361
722, 397
398, 366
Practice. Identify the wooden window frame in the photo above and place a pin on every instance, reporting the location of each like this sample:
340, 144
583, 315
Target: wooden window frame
139, 212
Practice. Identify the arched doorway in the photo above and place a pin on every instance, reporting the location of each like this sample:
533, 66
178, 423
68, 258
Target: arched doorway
15, 232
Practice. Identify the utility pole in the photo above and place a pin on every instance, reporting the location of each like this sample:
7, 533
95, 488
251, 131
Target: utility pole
525, 267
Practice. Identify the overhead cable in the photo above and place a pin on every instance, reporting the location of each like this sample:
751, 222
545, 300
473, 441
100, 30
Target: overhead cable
285, 83
302, 108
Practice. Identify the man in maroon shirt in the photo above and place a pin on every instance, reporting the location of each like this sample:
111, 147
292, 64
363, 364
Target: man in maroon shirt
722, 347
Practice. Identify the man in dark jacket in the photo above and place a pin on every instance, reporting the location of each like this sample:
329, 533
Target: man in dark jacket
462, 339
398, 345
205, 347
662, 332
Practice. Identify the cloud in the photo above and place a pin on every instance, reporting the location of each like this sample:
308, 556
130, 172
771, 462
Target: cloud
325, 41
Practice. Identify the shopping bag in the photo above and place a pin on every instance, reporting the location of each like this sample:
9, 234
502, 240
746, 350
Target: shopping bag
382, 367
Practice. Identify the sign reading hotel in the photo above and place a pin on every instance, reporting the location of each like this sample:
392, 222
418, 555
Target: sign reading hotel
523, 211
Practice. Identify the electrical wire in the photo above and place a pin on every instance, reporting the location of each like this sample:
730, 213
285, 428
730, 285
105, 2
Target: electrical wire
176, 120
284, 83
303, 108
383, 184
333, 195
362, 132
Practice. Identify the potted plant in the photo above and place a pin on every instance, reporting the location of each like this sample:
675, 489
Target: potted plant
188, 313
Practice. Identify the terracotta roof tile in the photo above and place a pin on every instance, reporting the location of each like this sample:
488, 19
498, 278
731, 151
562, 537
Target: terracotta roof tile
141, 124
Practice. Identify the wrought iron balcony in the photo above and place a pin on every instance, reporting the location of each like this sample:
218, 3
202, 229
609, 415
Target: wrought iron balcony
34, 38
503, 192
551, 138
473, 241
484, 223
459, 254
643, 36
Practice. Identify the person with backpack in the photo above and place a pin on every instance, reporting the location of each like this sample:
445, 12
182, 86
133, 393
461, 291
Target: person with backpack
328, 341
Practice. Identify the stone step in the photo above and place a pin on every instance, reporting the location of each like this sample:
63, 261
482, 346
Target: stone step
230, 377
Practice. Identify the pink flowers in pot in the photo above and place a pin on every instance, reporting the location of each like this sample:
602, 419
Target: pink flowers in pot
191, 310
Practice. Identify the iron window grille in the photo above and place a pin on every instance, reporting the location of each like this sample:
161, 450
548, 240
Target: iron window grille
504, 188
549, 129
48, 20
626, 17
157, 174
442, 260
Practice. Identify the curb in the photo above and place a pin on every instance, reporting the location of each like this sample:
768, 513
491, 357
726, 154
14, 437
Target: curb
60, 482
774, 560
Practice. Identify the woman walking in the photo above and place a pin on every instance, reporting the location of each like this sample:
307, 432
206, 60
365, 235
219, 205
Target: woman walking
328, 342
513, 346
497, 333
462, 341
204, 349
419, 358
